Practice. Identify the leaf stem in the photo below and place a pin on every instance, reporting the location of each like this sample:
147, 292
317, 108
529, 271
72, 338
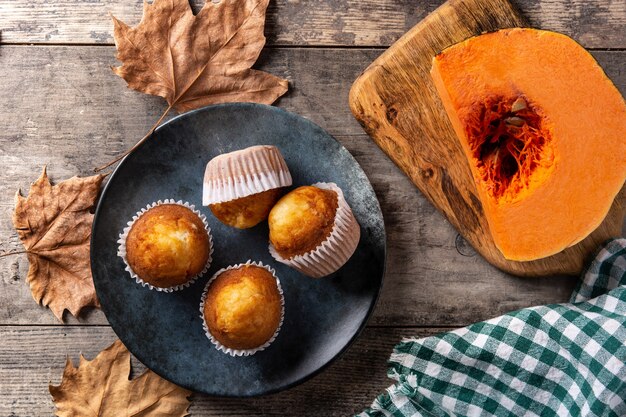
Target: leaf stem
142, 140
13, 253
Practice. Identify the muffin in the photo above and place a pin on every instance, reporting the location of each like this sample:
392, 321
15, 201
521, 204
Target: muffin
313, 230
167, 245
302, 220
241, 187
242, 308
246, 212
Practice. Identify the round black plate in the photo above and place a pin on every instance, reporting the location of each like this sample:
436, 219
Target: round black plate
164, 331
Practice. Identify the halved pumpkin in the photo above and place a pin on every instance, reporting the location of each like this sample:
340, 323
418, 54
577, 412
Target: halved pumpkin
544, 131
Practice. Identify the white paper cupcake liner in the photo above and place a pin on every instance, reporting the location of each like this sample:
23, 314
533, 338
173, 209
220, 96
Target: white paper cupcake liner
242, 352
338, 247
121, 250
243, 173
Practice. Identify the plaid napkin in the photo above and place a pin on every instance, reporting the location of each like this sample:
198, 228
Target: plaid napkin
554, 360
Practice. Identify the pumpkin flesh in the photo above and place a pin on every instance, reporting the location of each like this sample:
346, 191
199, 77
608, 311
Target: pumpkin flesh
544, 132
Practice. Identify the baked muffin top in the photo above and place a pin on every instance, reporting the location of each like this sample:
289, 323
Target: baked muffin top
246, 212
243, 307
302, 220
167, 245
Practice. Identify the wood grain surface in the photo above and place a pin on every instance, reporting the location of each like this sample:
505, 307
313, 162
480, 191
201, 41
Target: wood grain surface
34, 357
396, 102
594, 23
69, 111
61, 105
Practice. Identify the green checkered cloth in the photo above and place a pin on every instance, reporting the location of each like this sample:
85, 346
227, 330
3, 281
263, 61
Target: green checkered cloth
554, 360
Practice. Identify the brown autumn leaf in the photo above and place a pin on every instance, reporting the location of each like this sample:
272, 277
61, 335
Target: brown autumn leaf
101, 387
54, 225
193, 61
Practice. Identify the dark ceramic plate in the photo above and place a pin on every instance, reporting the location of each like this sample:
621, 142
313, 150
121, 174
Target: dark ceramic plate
164, 331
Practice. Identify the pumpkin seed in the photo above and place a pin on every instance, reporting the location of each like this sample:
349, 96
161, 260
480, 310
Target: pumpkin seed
519, 104
515, 121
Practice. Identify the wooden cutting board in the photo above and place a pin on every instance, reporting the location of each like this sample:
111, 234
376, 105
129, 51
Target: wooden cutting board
396, 103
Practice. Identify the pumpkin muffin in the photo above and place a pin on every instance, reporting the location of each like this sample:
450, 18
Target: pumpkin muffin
243, 308
168, 245
241, 187
313, 230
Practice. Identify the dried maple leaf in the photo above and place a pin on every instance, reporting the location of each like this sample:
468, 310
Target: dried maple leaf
101, 388
54, 225
193, 61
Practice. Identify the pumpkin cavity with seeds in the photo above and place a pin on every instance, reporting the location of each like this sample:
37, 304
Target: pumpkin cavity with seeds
511, 146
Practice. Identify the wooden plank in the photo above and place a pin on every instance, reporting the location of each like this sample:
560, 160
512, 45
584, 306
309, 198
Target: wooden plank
396, 102
65, 108
596, 23
53, 94
31, 358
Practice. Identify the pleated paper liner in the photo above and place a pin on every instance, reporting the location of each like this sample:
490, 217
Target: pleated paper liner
242, 173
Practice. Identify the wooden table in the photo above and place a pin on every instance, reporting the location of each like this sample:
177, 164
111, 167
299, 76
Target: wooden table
62, 106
